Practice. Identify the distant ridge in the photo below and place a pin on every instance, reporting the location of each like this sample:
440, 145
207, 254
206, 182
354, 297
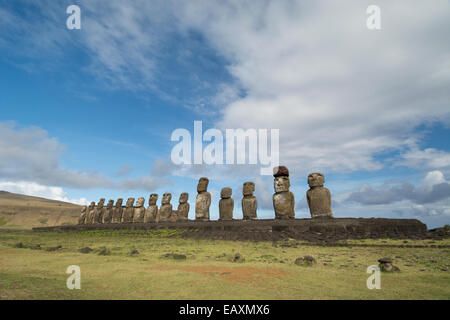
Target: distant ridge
23, 211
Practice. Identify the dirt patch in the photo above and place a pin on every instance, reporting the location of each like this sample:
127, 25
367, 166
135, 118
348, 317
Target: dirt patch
240, 274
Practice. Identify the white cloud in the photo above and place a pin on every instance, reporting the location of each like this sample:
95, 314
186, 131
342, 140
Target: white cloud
37, 190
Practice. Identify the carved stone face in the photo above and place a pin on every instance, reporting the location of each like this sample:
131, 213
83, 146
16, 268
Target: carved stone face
225, 193
110, 204
119, 202
184, 197
101, 202
140, 202
281, 184
316, 179
130, 202
166, 198
92, 205
248, 189
202, 185
84, 209
152, 200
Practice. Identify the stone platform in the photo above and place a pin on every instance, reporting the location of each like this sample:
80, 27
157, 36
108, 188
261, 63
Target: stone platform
321, 229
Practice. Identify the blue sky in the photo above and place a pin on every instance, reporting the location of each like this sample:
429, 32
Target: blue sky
89, 113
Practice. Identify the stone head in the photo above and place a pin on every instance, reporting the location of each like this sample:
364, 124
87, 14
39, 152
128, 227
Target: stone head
316, 179
248, 188
280, 171
130, 202
153, 198
281, 184
110, 204
101, 202
119, 202
83, 209
140, 202
225, 193
166, 198
184, 197
202, 185
92, 205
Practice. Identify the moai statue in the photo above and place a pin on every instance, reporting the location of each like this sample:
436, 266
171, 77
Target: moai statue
203, 200
152, 210
139, 210
98, 213
107, 216
226, 204
128, 211
319, 197
165, 212
83, 216
117, 211
91, 213
283, 199
183, 207
249, 202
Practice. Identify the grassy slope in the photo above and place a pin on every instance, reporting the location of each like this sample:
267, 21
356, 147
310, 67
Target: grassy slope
25, 212
208, 272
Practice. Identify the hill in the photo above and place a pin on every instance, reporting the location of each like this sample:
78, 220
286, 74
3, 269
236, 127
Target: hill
22, 211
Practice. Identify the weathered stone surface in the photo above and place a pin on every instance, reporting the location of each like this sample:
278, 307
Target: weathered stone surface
203, 200
139, 210
305, 261
249, 202
226, 204
117, 211
105, 251
91, 213
183, 207
318, 197
283, 199
85, 250
83, 216
128, 211
280, 171
386, 265
151, 212
107, 217
165, 212
98, 211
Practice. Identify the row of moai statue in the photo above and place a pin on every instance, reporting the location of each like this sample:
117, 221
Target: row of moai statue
318, 198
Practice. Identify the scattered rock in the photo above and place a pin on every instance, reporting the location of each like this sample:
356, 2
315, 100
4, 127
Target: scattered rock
175, 256
305, 261
238, 258
387, 266
19, 245
36, 247
104, 252
59, 247
385, 260
134, 252
85, 250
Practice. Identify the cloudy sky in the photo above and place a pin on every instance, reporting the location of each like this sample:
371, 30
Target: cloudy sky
89, 113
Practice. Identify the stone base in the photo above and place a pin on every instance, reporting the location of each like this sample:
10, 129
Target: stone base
320, 229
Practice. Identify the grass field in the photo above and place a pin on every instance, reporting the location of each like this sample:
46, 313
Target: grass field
209, 272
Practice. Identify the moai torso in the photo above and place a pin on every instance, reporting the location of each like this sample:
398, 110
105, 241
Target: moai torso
283, 199
249, 202
98, 212
91, 214
82, 218
165, 212
117, 211
183, 207
152, 210
139, 210
107, 217
203, 200
128, 211
226, 204
318, 197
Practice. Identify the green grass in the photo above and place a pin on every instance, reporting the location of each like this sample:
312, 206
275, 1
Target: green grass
3, 221
208, 272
